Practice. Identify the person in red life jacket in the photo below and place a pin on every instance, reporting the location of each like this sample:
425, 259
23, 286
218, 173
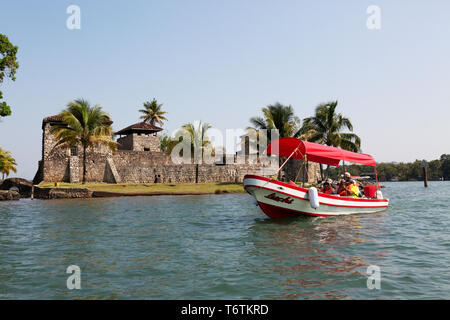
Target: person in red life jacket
327, 188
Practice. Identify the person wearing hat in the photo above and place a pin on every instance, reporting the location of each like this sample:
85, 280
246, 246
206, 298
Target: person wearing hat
347, 177
327, 188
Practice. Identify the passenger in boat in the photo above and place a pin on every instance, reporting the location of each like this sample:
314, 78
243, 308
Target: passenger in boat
347, 177
327, 188
341, 188
352, 189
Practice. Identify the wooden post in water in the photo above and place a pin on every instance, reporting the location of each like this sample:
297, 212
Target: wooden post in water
425, 178
424, 166
196, 173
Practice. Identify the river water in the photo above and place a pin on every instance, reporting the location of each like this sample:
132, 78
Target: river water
224, 247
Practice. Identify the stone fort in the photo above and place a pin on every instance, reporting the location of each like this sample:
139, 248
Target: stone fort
138, 159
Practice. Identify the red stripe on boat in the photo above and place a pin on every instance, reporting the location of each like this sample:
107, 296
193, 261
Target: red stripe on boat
324, 203
251, 176
280, 213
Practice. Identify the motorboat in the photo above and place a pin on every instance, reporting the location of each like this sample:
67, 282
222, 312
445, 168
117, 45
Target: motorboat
280, 199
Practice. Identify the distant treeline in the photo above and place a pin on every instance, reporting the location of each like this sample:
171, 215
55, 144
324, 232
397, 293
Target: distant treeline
410, 171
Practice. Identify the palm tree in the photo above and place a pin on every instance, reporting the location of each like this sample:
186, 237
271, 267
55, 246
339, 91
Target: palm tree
7, 163
275, 117
153, 112
327, 126
84, 125
279, 117
199, 140
167, 143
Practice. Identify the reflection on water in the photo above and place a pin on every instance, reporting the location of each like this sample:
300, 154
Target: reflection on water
313, 253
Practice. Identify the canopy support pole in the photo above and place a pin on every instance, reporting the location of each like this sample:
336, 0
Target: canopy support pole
305, 163
276, 174
343, 164
301, 168
298, 173
376, 178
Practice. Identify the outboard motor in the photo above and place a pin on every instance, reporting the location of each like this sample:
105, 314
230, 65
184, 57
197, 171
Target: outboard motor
313, 197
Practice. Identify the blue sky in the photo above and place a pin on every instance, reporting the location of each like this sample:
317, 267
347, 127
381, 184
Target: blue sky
221, 61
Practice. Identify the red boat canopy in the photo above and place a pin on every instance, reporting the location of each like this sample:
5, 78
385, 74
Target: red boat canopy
316, 152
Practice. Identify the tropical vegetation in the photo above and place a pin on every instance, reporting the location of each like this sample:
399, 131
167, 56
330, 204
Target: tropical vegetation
325, 127
83, 125
276, 117
330, 128
198, 141
153, 113
7, 163
438, 169
8, 67
167, 143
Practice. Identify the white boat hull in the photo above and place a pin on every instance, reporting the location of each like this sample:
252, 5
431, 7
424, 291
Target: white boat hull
280, 200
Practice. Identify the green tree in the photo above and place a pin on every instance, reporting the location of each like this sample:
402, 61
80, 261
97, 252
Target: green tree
445, 165
8, 67
435, 170
167, 143
279, 117
153, 113
7, 163
198, 139
327, 127
83, 125
275, 117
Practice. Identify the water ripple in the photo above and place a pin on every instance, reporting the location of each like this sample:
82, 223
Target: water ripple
223, 247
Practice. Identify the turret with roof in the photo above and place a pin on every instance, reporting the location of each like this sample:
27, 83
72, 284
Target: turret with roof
140, 136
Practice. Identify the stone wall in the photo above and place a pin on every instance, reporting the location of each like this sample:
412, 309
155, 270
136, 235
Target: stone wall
48, 143
291, 169
146, 141
136, 165
74, 169
140, 142
125, 143
123, 158
191, 173
68, 169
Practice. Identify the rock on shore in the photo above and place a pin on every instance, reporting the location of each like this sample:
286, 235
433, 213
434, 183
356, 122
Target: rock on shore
24, 186
61, 193
9, 195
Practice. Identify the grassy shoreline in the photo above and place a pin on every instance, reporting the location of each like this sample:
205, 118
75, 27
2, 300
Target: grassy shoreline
120, 189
